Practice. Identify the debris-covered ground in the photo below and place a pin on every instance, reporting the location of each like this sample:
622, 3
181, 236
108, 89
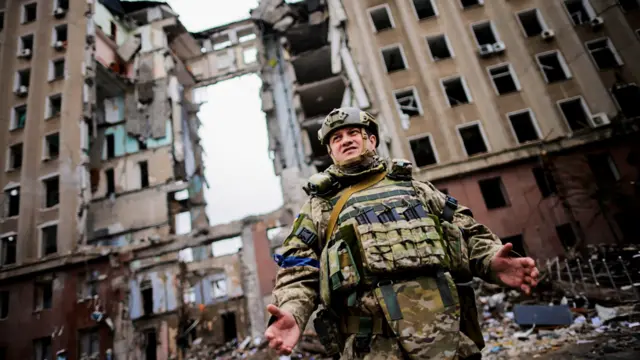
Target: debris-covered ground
587, 309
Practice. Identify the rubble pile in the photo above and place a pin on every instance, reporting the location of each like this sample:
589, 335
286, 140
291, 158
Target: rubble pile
590, 299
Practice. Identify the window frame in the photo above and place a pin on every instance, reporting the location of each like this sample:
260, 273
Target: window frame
6, 207
416, 95
449, 47
464, 85
563, 63
5, 237
13, 124
23, 14
480, 3
433, 5
496, 35
611, 48
48, 108
513, 74
52, 69
402, 54
389, 14
482, 133
433, 148
41, 237
534, 120
42, 181
9, 163
541, 20
585, 107
46, 156
587, 7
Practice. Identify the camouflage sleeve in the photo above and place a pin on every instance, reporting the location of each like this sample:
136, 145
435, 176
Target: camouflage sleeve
482, 243
296, 288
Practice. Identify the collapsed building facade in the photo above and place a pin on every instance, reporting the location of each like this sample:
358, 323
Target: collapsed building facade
106, 249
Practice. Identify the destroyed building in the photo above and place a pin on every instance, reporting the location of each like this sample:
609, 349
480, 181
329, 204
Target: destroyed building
524, 111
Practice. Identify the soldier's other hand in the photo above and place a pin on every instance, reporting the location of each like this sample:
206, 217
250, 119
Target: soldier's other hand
520, 273
283, 334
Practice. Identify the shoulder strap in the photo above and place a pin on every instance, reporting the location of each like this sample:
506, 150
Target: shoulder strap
333, 218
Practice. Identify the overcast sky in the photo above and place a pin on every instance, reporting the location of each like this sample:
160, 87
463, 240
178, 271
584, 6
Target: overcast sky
234, 132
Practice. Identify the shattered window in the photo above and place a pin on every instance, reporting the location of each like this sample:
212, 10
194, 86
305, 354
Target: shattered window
15, 156
579, 11
439, 47
604, 54
484, 33
381, 18
423, 151
424, 8
54, 105
504, 79
553, 67
43, 295
523, 126
493, 192
49, 240
89, 343
52, 191
8, 250
576, 113
531, 22
408, 102
219, 288
472, 139
393, 58
12, 199
456, 91
19, 117
29, 13
52, 146
42, 349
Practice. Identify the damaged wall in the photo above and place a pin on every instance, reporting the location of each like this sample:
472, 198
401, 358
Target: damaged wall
65, 315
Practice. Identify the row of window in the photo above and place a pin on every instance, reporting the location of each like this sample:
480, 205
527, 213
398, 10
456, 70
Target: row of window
531, 22
472, 135
48, 244
495, 194
552, 63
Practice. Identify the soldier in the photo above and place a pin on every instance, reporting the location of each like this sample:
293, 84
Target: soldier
386, 256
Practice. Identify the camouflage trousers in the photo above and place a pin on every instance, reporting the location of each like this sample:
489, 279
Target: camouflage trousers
383, 348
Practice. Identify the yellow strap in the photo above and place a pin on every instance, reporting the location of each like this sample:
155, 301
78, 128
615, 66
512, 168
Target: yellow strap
345, 196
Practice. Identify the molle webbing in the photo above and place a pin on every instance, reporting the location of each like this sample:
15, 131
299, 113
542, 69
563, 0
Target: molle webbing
357, 199
377, 208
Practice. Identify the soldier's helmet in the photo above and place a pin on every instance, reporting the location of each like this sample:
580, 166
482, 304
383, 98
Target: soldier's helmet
346, 117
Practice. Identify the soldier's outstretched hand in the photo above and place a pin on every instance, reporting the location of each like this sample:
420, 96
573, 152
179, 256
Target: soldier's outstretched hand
520, 273
284, 333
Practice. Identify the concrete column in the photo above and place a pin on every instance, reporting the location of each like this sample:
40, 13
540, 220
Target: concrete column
251, 285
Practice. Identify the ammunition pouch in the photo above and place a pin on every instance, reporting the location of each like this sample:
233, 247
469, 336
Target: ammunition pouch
402, 245
343, 272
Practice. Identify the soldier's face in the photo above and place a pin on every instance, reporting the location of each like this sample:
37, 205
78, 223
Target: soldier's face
348, 143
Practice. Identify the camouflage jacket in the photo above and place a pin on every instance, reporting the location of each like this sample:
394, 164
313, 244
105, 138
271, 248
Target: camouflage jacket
297, 284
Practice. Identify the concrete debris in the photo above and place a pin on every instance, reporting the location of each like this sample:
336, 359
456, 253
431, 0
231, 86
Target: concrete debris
513, 327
